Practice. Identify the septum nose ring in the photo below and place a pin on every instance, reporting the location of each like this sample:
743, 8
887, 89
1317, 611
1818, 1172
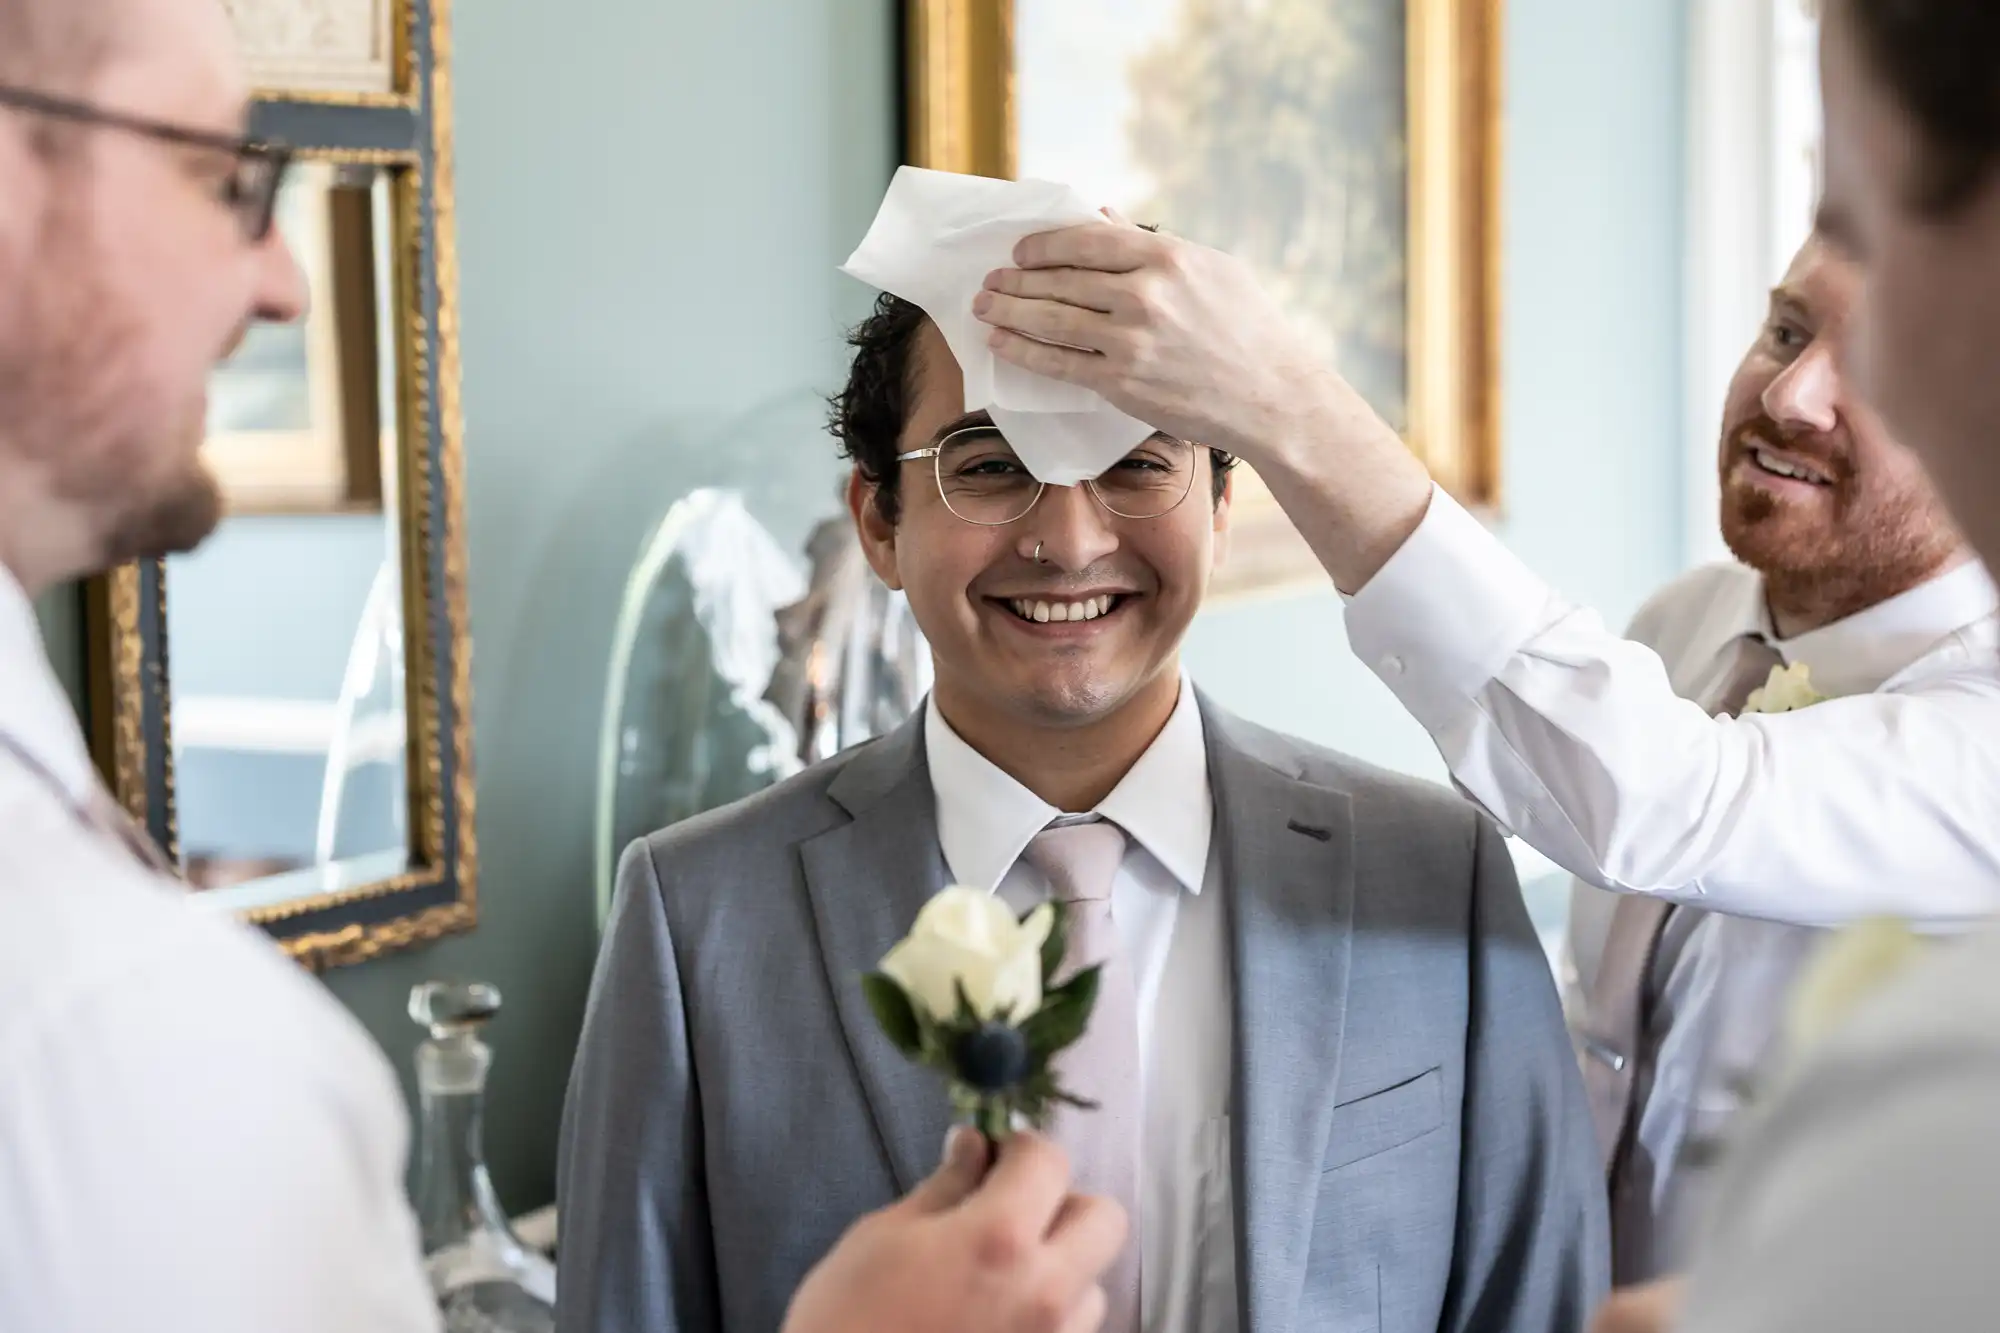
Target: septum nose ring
1038, 554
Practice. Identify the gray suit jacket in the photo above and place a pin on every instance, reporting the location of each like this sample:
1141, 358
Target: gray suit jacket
1412, 1151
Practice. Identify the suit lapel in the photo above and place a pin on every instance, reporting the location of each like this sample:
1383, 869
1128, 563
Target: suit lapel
1288, 858
867, 879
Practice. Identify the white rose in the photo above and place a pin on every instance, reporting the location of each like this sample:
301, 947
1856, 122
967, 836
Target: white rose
968, 938
1785, 689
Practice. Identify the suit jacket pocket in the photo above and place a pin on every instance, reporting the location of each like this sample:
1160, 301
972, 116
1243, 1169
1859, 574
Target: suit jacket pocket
1387, 1119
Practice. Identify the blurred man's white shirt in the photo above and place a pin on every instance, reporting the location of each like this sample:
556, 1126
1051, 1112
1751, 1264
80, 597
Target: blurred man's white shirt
194, 1137
1867, 1195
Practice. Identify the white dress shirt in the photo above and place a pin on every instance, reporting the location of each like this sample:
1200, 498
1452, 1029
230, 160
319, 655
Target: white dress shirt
1575, 740
1601, 753
1168, 914
193, 1136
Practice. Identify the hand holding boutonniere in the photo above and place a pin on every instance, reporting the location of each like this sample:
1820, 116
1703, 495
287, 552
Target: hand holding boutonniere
966, 993
1785, 690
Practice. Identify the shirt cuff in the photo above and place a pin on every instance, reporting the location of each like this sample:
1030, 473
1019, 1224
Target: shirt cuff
1445, 615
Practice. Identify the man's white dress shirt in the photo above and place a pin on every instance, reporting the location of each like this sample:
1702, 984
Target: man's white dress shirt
1168, 911
193, 1135
1601, 753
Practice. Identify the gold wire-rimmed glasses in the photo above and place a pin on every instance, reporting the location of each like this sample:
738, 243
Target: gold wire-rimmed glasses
982, 481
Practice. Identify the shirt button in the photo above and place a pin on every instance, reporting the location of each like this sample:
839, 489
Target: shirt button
1392, 666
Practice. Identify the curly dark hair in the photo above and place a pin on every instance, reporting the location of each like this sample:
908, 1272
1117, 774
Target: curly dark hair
1940, 59
868, 416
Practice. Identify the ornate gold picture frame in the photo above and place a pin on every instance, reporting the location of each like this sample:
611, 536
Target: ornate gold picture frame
128, 689
338, 52
966, 102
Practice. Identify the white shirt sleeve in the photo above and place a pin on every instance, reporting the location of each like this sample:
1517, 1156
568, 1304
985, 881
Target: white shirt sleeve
199, 1145
1574, 740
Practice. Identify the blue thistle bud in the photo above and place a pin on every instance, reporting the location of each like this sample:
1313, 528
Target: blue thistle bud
992, 1058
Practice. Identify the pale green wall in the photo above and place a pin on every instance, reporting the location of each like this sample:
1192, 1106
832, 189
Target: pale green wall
61, 614
652, 202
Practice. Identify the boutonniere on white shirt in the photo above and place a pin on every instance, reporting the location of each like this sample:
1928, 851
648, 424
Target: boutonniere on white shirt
966, 993
1785, 690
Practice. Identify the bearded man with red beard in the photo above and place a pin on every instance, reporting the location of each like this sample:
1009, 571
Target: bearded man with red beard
1852, 569
1717, 823
1713, 840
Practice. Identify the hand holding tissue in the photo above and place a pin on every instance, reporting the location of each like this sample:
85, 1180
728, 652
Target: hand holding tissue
933, 242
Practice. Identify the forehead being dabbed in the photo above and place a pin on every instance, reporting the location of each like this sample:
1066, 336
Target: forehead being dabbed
934, 386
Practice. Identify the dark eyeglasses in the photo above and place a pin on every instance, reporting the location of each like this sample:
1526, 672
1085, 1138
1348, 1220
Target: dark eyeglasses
251, 192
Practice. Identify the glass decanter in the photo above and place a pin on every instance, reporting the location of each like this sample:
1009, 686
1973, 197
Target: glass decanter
486, 1280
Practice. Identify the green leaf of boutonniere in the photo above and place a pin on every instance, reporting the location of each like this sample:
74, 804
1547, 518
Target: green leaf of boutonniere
1040, 1094
1064, 1015
1052, 947
894, 1012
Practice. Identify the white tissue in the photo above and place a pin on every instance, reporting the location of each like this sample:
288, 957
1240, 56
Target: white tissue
936, 237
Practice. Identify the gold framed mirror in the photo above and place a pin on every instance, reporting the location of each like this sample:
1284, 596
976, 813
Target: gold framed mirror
288, 709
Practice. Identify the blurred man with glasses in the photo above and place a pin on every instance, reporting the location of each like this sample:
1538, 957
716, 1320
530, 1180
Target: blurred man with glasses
193, 1137
1333, 1088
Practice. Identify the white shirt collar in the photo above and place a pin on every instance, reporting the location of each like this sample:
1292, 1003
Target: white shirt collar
1859, 653
35, 713
986, 819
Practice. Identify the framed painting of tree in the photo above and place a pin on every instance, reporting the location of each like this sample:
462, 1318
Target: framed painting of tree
1348, 149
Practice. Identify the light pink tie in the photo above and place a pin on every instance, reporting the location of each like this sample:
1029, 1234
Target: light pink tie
1080, 862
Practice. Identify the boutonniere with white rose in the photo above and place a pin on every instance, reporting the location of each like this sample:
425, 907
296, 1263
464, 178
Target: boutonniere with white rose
1787, 689
967, 993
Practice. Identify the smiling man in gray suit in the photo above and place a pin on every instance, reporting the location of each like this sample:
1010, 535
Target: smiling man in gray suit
1335, 1089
